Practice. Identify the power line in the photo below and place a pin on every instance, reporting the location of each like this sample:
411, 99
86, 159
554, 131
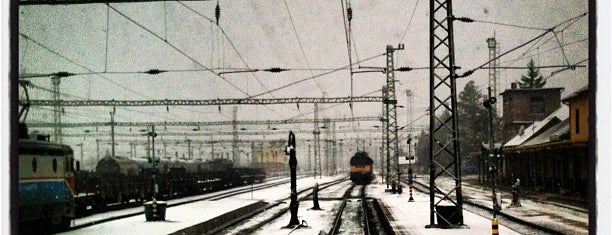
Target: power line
233, 46
469, 72
409, 22
525, 55
175, 48
297, 36
510, 25
77, 64
312, 77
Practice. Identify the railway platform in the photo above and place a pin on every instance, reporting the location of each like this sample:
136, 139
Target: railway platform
411, 217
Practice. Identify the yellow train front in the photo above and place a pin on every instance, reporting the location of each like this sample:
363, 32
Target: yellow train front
361, 168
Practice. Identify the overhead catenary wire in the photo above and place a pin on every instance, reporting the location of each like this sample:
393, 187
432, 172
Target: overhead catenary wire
409, 22
469, 72
312, 77
525, 55
175, 48
297, 36
91, 72
347, 28
231, 44
79, 65
538, 38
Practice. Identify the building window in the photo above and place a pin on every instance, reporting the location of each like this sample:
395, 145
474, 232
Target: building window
577, 121
536, 104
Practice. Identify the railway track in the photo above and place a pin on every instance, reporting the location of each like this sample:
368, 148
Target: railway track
135, 208
273, 212
364, 216
518, 224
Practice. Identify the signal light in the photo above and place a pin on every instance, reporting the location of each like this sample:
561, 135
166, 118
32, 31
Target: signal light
488, 102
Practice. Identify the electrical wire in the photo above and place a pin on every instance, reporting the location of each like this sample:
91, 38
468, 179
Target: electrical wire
409, 22
235, 49
530, 49
348, 39
309, 78
175, 48
79, 65
510, 25
548, 50
297, 36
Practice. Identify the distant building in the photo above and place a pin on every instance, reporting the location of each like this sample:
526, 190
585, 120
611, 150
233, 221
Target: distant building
579, 114
551, 155
522, 107
270, 155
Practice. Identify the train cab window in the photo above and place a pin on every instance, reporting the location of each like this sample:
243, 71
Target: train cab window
54, 165
34, 164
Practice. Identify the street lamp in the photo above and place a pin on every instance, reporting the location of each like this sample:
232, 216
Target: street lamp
81, 145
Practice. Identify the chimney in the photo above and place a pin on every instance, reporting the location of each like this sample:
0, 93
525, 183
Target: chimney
513, 85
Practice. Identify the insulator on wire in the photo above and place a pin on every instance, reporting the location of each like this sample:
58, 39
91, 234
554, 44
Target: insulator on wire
349, 12
217, 13
275, 70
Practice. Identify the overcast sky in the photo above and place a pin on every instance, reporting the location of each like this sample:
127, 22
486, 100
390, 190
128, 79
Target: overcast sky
261, 35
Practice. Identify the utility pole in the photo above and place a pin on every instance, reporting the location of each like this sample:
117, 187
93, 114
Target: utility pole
317, 147
97, 150
492, 155
334, 149
492, 45
391, 102
189, 154
235, 153
384, 161
57, 109
112, 114
328, 146
309, 159
82, 157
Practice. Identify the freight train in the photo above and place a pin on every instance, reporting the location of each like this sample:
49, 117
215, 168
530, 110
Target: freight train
361, 168
122, 180
53, 190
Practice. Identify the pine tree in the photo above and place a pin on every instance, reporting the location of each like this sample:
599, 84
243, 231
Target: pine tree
533, 78
473, 119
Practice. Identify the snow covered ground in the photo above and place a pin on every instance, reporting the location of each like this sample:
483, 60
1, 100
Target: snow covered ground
406, 217
550, 215
190, 214
411, 217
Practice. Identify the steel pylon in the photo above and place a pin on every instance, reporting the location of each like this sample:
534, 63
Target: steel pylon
444, 138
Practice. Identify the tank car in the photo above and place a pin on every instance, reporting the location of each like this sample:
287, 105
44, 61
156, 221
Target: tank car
361, 168
46, 183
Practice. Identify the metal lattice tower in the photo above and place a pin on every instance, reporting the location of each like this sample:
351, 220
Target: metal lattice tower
317, 147
235, 152
493, 75
57, 109
384, 161
409, 108
391, 115
328, 146
444, 138
335, 149
309, 157
341, 153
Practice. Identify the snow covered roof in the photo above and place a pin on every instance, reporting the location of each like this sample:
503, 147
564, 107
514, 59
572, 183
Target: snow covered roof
576, 93
539, 127
552, 134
